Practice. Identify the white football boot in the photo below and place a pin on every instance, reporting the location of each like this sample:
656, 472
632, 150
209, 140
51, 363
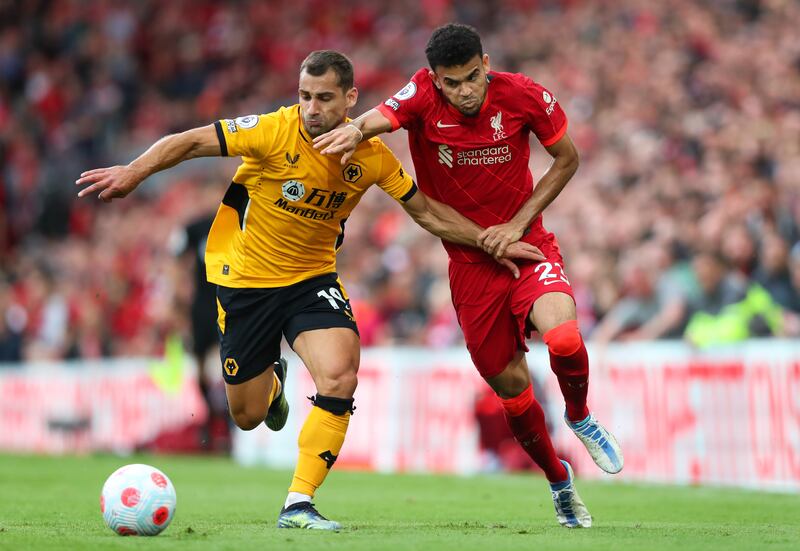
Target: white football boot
570, 510
600, 443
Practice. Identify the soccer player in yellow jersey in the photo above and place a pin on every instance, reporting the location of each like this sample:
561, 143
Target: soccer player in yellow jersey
272, 253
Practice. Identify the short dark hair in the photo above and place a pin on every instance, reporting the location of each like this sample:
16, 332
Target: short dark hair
453, 44
317, 64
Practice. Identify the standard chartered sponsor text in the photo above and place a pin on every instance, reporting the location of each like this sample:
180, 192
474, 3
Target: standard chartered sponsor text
486, 156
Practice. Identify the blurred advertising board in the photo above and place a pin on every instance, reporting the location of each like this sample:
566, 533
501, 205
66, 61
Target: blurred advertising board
727, 416
81, 407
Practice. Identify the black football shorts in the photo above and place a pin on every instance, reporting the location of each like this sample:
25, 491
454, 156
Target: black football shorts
251, 321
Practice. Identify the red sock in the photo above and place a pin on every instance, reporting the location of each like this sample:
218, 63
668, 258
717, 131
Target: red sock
570, 362
525, 417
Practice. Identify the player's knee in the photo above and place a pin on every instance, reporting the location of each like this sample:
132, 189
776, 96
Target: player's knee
337, 406
513, 387
564, 339
342, 384
247, 418
513, 380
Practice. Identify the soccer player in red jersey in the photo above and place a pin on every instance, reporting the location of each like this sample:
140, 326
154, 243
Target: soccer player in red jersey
468, 130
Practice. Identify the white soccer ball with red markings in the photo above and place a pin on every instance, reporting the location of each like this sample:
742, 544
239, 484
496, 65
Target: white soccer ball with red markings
138, 500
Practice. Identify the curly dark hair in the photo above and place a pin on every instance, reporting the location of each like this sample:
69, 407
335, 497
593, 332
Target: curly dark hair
453, 44
317, 64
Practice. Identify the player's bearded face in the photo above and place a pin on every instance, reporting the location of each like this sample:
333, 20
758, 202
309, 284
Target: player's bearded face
464, 86
323, 103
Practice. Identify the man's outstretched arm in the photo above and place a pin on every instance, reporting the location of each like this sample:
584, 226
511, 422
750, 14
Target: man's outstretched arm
345, 138
565, 162
445, 222
118, 181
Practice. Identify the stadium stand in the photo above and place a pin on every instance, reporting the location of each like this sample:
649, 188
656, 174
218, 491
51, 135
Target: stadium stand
685, 208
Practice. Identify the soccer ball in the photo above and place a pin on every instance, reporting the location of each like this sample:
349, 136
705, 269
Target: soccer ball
138, 500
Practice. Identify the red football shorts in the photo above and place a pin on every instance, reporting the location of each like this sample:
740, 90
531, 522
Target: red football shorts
493, 307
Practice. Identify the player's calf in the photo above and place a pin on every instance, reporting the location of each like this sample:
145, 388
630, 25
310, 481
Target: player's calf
570, 362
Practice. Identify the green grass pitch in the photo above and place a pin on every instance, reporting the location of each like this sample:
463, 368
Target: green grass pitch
53, 503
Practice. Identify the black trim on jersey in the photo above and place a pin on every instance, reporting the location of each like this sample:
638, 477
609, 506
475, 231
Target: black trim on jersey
237, 198
340, 237
411, 193
489, 77
223, 146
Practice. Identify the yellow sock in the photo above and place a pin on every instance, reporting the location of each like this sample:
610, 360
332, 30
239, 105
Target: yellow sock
276, 388
320, 441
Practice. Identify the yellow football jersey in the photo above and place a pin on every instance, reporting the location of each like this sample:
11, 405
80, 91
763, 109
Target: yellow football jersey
283, 216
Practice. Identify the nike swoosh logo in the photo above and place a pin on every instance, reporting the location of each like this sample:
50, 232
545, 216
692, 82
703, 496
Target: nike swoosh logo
440, 125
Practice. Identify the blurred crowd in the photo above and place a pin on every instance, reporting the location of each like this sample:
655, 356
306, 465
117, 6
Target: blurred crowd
682, 221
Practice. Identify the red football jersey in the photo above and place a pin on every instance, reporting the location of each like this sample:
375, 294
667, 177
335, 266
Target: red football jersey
478, 164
